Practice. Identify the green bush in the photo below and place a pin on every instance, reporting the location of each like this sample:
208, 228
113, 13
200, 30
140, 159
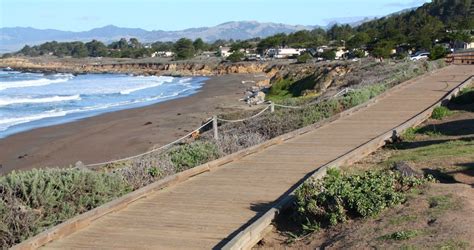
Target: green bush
304, 58
437, 52
329, 55
190, 155
401, 235
34, 200
337, 196
440, 112
236, 56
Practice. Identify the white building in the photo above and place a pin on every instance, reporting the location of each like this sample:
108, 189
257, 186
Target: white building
340, 53
284, 53
224, 51
162, 54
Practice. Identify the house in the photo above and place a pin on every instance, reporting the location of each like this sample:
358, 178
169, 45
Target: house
224, 51
460, 45
162, 54
341, 53
284, 52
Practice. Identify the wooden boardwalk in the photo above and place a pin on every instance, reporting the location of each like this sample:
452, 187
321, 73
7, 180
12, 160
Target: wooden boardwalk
207, 210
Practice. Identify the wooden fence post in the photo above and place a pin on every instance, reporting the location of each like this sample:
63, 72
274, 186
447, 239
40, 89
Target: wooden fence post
272, 107
214, 127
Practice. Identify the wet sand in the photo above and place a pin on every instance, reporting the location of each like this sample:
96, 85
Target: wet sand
122, 133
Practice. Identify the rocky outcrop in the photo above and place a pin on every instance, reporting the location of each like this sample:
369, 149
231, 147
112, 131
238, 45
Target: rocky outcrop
142, 68
310, 78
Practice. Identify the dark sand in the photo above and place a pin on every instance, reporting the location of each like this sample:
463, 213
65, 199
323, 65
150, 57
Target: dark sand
123, 133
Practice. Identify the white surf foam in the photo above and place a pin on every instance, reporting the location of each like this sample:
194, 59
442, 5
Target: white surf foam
34, 83
157, 81
9, 122
9, 101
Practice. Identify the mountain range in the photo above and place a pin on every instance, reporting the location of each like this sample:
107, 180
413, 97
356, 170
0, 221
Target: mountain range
12, 39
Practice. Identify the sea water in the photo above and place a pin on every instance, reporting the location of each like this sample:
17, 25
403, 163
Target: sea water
33, 100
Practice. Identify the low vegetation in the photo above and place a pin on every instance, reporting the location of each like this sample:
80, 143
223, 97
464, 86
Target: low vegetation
32, 201
440, 112
338, 196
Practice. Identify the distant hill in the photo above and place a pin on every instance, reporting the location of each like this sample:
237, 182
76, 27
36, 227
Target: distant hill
12, 39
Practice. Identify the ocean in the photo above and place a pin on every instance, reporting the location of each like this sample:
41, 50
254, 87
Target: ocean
33, 100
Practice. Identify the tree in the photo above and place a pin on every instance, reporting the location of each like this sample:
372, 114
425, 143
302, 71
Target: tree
184, 49
303, 58
79, 50
329, 55
135, 44
96, 48
199, 45
236, 56
437, 52
121, 44
383, 49
340, 32
358, 40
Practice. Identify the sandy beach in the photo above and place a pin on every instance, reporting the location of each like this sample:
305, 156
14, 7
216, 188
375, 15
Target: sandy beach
122, 133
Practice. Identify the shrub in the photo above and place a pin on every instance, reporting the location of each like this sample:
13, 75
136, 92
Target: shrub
145, 170
236, 56
440, 112
229, 143
401, 235
329, 55
303, 58
193, 154
338, 196
409, 134
34, 200
437, 52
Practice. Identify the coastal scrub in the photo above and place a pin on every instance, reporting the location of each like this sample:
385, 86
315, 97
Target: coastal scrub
33, 201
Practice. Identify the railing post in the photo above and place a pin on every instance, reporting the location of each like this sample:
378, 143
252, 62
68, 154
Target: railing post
214, 127
272, 107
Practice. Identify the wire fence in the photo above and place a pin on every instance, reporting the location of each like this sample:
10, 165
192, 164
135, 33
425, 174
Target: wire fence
214, 121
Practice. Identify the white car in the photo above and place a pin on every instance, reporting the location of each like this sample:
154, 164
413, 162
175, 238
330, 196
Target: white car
420, 56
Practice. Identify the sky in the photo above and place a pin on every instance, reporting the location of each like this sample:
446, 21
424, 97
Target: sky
81, 15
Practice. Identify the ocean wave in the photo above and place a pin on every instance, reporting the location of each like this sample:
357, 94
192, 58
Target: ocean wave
35, 83
10, 101
156, 82
9, 122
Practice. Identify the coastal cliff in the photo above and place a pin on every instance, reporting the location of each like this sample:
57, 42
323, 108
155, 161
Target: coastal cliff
142, 68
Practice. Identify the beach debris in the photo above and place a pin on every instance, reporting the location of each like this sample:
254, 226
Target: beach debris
22, 156
254, 96
147, 123
195, 135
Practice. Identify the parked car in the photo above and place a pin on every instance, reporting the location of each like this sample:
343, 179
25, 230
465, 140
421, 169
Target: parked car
419, 56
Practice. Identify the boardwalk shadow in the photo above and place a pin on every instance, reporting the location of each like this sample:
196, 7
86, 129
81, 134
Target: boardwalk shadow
418, 144
453, 128
261, 209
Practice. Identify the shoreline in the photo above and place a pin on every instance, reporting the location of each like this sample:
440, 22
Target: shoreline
121, 133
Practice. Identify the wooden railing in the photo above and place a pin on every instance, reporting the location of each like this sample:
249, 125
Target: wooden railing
466, 57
